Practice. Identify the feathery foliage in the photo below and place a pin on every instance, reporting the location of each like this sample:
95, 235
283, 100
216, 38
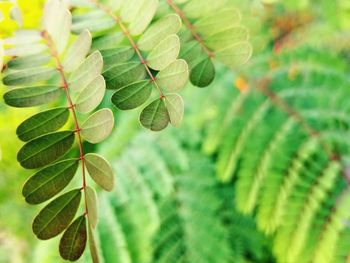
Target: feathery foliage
47, 69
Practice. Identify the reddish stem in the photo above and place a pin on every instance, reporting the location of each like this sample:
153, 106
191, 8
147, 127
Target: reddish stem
71, 106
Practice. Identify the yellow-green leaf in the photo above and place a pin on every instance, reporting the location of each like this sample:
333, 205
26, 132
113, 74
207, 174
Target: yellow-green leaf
100, 170
98, 126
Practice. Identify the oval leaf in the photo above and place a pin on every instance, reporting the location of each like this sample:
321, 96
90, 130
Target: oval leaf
91, 96
164, 53
155, 116
57, 215
29, 61
235, 54
73, 241
123, 74
203, 73
49, 181
91, 202
86, 72
161, 29
41, 123
113, 56
100, 170
28, 76
175, 106
132, 95
45, 149
33, 96
140, 23
174, 77
98, 126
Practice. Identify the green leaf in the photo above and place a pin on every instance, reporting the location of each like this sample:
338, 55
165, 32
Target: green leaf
45, 149
73, 241
98, 126
49, 181
93, 246
86, 72
77, 51
32, 96
123, 74
200, 8
117, 55
175, 106
25, 50
147, 9
217, 21
29, 61
175, 76
161, 29
91, 96
164, 53
192, 53
57, 21
28, 76
155, 116
132, 95
236, 54
91, 202
227, 37
43, 122
57, 215
203, 73
100, 170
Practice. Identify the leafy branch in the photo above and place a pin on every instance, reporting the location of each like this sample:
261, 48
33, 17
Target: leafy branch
149, 60
55, 69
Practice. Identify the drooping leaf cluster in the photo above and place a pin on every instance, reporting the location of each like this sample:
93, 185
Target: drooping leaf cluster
49, 69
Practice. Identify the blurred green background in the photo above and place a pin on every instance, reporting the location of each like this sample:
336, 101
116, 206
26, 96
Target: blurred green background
206, 192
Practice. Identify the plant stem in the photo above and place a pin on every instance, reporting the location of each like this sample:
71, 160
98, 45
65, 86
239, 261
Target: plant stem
71, 106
